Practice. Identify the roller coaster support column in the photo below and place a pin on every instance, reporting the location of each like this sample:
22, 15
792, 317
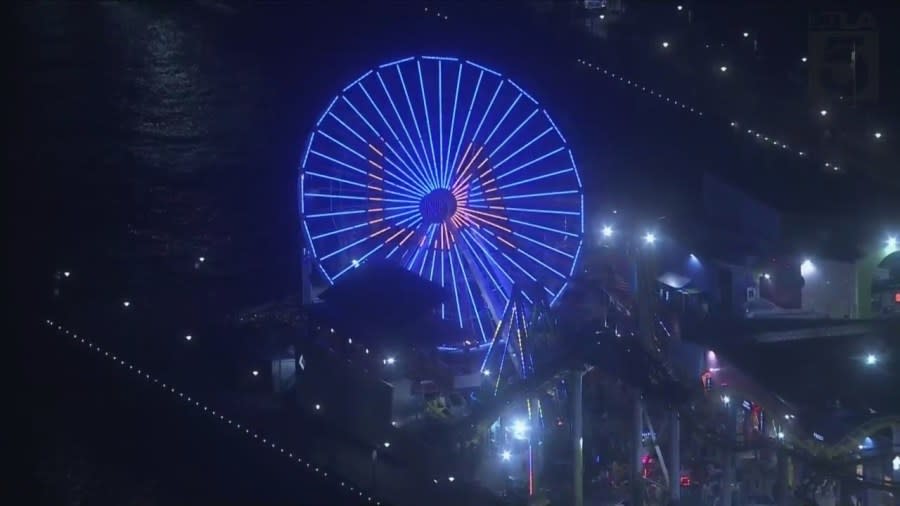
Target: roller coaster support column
636, 478
675, 457
895, 430
728, 463
781, 483
577, 379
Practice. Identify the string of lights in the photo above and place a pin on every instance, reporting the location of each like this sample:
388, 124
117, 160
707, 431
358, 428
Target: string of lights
208, 410
734, 125
756, 134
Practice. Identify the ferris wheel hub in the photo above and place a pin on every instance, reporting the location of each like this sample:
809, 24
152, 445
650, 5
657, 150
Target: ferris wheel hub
437, 206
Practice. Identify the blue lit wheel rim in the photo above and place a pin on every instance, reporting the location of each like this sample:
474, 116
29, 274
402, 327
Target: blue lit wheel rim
451, 170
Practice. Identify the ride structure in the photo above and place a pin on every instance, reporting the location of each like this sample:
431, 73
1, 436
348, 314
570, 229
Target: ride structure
451, 170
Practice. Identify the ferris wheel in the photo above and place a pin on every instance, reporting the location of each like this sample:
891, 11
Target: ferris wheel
451, 170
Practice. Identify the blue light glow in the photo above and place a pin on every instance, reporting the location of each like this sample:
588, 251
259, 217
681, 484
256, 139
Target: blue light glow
365, 193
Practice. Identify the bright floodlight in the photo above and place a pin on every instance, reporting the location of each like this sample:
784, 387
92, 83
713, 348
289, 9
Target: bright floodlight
877, 135
726, 399
486, 372
387, 444
255, 372
723, 68
67, 273
767, 276
780, 435
188, 337
390, 360
451, 479
520, 430
506, 455
871, 359
680, 7
746, 34
126, 303
896, 463
803, 59
891, 244
202, 259
607, 231
807, 267
665, 44
649, 238
355, 263
823, 112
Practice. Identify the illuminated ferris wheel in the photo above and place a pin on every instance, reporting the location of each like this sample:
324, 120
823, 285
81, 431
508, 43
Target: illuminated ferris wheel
453, 171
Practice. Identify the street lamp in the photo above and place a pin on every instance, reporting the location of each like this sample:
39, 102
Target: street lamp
726, 400
390, 360
188, 337
823, 113
871, 359
723, 68
506, 455
665, 44
649, 238
607, 231
807, 268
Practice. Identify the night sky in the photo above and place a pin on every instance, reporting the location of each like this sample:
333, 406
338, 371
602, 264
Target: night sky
148, 134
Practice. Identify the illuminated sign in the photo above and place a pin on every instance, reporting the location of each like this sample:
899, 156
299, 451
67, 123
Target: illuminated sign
897, 297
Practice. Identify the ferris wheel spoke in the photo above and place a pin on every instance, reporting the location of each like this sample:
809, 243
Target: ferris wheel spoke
342, 164
484, 267
462, 134
422, 166
462, 269
341, 144
541, 262
337, 179
486, 112
434, 161
420, 184
346, 126
340, 230
524, 271
530, 163
511, 134
393, 181
455, 287
412, 162
477, 215
524, 147
502, 119
549, 229
415, 119
542, 244
487, 255
345, 248
538, 178
415, 180
541, 211
358, 261
336, 213
542, 194
445, 171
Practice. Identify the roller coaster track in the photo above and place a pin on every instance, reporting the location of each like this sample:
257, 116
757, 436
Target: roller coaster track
819, 461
